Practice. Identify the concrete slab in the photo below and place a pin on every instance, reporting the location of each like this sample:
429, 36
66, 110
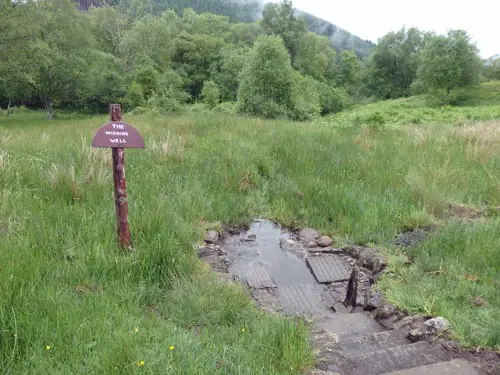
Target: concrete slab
301, 299
258, 278
394, 359
455, 367
354, 346
328, 268
349, 324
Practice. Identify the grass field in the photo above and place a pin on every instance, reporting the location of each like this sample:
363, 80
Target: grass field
70, 302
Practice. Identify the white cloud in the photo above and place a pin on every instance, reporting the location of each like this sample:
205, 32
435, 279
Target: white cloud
370, 19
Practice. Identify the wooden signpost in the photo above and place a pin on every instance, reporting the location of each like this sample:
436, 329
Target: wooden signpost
118, 135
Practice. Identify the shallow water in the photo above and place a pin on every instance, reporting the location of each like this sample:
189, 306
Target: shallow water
265, 251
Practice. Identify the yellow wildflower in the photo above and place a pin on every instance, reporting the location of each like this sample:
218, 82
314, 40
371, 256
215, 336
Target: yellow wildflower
136, 330
171, 347
48, 347
140, 363
243, 330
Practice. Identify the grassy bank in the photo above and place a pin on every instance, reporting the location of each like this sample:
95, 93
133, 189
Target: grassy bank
64, 285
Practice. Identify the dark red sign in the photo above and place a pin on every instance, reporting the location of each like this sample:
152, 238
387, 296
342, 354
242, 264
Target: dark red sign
117, 134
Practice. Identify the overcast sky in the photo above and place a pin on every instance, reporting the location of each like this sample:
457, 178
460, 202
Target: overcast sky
372, 19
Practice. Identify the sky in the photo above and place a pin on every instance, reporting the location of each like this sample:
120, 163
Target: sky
372, 19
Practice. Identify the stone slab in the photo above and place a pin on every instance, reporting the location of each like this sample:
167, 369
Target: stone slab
455, 367
329, 268
354, 346
352, 324
394, 359
301, 299
258, 278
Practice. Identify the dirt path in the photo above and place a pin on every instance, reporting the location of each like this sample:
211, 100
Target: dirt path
302, 274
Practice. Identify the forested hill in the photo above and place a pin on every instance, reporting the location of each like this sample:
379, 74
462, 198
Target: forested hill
250, 11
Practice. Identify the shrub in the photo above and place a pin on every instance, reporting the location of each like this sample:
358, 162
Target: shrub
305, 98
210, 94
267, 79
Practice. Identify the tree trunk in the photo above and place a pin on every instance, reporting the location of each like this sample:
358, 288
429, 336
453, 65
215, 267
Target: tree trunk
8, 107
50, 109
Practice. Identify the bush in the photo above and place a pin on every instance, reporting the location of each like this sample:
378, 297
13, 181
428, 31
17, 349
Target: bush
305, 98
134, 96
210, 94
332, 99
230, 108
267, 79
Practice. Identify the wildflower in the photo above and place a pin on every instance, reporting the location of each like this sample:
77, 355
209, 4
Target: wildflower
48, 347
136, 330
171, 347
139, 363
243, 330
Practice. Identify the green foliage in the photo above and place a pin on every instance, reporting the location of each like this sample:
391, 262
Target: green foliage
348, 72
394, 63
227, 68
267, 79
332, 99
134, 96
194, 58
446, 63
492, 69
279, 19
305, 100
210, 94
151, 41
315, 57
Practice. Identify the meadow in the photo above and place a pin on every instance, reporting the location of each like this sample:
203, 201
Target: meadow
72, 302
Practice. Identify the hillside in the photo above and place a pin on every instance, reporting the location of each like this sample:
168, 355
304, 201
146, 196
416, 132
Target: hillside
250, 11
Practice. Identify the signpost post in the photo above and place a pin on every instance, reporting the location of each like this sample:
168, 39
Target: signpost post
118, 135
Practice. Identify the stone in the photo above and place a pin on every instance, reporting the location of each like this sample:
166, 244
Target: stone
212, 236
454, 367
385, 311
437, 325
324, 241
250, 238
307, 235
354, 251
373, 300
417, 334
311, 244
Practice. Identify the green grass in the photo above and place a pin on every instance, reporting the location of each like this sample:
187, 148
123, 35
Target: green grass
361, 183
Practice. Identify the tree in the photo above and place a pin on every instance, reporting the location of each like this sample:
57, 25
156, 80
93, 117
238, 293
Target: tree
349, 72
394, 62
227, 68
151, 41
206, 23
492, 69
194, 57
267, 79
59, 49
15, 29
279, 19
446, 63
315, 57
210, 94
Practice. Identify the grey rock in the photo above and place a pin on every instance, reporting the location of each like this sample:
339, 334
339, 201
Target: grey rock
437, 325
417, 334
212, 236
373, 300
324, 241
307, 235
354, 251
250, 238
385, 311
311, 244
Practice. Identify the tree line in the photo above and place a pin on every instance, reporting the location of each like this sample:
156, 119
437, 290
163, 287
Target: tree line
56, 56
